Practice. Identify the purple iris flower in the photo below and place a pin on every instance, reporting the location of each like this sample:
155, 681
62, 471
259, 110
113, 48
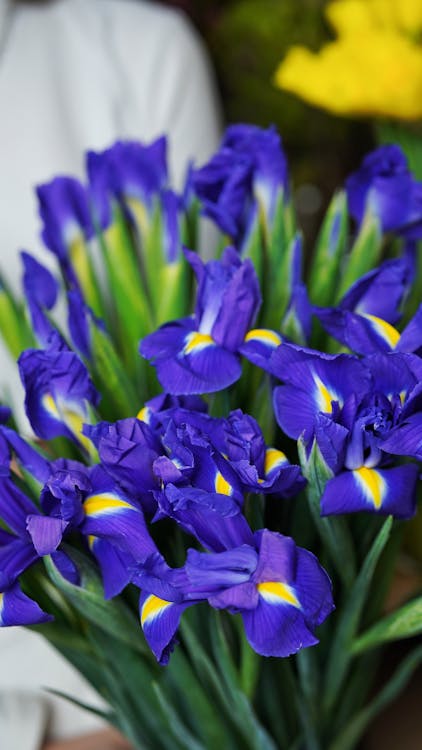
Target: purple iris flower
353, 410
384, 185
127, 450
41, 291
88, 501
64, 210
17, 553
365, 318
280, 590
200, 354
129, 173
243, 178
240, 455
59, 392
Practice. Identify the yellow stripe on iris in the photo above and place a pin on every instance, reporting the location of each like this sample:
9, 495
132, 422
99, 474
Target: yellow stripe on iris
1, 607
264, 336
222, 486
196, 341
373, 485
152, 607
273, 459
144, 414
385, 330
73, 420
276, 592
104, 502
324, 396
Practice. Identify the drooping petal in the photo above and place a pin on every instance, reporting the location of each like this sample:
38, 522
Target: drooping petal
160, 621
18, 609
384, 491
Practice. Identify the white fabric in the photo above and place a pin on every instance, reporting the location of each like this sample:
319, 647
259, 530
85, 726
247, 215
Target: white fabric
19, 734
77, 74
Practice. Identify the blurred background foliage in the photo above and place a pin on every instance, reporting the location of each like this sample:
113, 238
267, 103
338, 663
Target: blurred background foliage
246, 40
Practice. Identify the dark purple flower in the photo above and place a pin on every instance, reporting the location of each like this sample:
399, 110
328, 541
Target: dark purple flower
244, 177
200, 354
384, 185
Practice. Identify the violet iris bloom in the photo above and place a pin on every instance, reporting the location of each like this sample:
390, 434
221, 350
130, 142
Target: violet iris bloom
353, 410
17, 553
280, 590
200, 354
242, 179
64, 210
128, 173
366, 317
384, 185
59, 392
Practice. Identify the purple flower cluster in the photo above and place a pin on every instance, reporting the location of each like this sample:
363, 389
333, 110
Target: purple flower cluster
174, 463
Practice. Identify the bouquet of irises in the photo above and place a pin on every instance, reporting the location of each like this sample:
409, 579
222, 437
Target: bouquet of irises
206, 516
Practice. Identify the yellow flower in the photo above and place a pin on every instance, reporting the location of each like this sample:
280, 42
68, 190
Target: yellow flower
373, 68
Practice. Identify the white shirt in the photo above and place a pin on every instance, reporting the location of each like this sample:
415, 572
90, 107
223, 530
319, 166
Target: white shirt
78, 74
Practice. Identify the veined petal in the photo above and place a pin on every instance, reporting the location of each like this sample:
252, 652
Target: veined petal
384, 491
18, 609
277, 629
160, 620
110, 516
204, 370
259, 345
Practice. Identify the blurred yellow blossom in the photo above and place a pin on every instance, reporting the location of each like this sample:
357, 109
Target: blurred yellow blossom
373, 68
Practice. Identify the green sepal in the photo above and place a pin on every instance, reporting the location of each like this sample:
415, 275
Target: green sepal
14, 327
329, 250
175, 291
334, 532
119, 397
128, 292
364, 254
279, 290
81, 261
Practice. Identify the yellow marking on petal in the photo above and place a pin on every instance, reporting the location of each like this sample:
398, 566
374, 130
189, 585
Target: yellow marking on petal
144, 414
152, 607
91, 540
50, 405
197, 341
274, 591
69, 417
373, 485
104, 502
324, 396
222, 486
273, 459
265, 336
384, 329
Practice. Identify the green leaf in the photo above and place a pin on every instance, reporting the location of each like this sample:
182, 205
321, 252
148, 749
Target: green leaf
334, 532
120, 399
329, 251
128, 292
113, 616
14, 327
353, 731
174, 725
403, 623
236, 707
364, 255
349, 619
105, 715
